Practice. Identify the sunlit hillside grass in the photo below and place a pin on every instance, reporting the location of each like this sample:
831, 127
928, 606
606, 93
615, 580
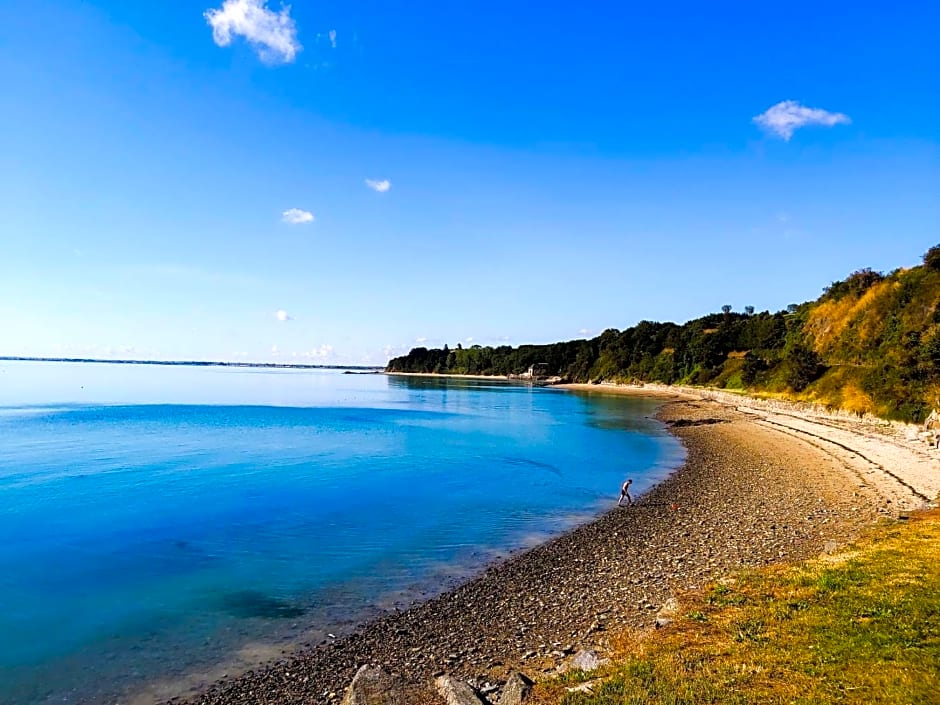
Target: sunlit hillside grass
879, 342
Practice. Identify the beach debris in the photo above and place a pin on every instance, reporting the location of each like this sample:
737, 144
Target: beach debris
515, 690
583, 688
372, 686
587, 661
456, 692
667, 613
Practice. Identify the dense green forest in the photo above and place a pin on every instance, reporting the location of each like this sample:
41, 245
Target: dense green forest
870, 343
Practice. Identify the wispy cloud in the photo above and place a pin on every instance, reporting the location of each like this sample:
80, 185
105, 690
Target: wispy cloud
584, 331
333, 38
786, 117
296, 216
421, 340
282, 315
380, 186
273, 35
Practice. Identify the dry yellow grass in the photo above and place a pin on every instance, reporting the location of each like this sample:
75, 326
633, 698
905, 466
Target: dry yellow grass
861, 627
828, 321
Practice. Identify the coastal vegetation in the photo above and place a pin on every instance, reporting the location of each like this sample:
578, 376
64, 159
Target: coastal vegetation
869, 344
862, 626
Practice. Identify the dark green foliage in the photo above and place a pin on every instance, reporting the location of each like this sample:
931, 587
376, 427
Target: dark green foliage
932, 258
856, 284
754, 367
871, 339
803, 366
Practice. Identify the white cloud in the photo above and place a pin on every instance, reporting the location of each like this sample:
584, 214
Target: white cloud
320, 352
333, 38
469, 340
275, 350
584, 331
379, 186
784, 118
282, 315
296, 216
420, 340
273, 35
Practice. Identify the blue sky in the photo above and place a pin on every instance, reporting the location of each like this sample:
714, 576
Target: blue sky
535, 172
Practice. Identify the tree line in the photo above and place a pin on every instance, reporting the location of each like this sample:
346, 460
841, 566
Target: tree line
870, 342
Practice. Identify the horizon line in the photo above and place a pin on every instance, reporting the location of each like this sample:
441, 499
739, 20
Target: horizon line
191, 363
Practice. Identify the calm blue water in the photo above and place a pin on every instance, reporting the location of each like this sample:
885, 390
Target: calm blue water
158, 521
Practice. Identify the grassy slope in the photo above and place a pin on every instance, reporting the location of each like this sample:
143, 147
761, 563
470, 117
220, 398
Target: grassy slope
880, 346
859, 627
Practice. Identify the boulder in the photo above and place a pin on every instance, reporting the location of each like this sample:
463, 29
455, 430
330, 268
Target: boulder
372, 686
515, 690
456, 692
586, 661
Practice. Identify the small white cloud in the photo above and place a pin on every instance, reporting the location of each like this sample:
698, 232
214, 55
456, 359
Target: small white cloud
469, 340
784, 118
379, 186
296, 216
420, 340
275, 350
333, 38
584, 331
282, 315
273, 35
320, 352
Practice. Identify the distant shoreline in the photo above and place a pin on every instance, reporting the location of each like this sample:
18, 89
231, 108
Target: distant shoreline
444, 375
193, 363
628, 390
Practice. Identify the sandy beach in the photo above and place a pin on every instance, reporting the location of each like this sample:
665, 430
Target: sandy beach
450, 376
761, 484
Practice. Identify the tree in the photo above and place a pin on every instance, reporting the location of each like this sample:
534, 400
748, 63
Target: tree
803, 366
932, 258
754, 365
726, 309
748, 310
856, 284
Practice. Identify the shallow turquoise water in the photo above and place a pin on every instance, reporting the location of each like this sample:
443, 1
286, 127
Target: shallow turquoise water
157, 520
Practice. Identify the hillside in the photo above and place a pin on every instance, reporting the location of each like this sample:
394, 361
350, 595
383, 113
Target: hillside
869, 343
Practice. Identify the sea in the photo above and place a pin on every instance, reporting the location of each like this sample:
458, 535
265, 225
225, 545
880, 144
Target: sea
161, 526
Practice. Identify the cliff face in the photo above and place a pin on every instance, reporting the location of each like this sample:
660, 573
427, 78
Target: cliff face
870, 343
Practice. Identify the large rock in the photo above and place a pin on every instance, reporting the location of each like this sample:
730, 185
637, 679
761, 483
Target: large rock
456, 692
372, 686
587, 661
515, 690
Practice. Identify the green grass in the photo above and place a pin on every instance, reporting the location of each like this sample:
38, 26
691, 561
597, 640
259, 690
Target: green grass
860, 627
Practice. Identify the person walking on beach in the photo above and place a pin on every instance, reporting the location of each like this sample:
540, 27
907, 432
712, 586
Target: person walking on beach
625, 494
